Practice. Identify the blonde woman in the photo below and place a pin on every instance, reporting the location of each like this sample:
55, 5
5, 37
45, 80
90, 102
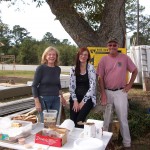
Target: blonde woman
46, 86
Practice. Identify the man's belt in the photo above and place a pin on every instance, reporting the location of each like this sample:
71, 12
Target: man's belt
114, 89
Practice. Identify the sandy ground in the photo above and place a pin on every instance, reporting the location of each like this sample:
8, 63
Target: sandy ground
12, 85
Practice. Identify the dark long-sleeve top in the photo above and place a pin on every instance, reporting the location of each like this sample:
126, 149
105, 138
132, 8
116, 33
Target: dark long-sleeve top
46, 81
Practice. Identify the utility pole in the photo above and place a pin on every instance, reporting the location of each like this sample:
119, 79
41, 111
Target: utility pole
137, 22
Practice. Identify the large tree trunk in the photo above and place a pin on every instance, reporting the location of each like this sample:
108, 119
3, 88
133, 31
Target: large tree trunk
113, 21
112, 24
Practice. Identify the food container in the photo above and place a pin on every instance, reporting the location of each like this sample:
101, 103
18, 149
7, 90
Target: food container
31, 118
50, 117
53, 137
16, 130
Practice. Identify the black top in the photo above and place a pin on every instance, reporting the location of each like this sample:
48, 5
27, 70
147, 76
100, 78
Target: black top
46, 81
82, 85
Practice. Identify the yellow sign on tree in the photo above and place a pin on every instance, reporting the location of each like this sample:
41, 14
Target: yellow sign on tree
98, 52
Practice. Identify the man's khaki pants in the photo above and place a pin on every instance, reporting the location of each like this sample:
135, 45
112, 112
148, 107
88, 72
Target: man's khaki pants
118, 100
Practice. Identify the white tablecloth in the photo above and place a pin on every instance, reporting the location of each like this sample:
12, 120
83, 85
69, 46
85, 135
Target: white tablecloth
68, 146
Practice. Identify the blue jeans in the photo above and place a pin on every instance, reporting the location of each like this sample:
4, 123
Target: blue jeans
49, 102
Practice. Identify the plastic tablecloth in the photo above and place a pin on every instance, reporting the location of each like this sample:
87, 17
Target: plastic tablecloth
29, 141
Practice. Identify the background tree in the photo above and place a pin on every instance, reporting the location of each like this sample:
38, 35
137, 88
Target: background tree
5, 37
131, 15
27, 52
48, 38
144, 31
65, 41
112, 22
67, 54
18, 34
92, 22
96, 12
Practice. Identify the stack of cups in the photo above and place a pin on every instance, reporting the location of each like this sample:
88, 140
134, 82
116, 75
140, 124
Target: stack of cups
98, 127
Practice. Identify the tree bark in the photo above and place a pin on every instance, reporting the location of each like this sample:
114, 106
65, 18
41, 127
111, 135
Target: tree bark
113, 21
112, 24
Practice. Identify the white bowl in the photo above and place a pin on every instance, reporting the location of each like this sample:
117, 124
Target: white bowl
88, 144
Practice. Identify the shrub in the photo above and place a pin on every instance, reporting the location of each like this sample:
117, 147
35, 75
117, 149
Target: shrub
139, 120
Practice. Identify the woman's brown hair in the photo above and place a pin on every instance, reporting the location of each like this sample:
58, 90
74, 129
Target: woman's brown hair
80, 51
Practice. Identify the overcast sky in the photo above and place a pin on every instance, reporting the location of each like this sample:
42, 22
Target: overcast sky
40, 20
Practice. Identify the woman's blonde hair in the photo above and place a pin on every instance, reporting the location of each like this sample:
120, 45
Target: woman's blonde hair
48, 49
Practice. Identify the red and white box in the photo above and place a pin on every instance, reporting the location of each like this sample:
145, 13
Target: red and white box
53, 137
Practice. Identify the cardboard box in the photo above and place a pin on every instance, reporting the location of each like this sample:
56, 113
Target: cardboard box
52, 141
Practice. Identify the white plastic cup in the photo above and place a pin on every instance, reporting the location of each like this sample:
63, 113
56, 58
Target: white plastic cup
99, 129
89, 130
50, 117
98, 126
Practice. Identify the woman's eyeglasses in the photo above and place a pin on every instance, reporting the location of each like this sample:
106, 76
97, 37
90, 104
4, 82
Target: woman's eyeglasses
112, 45
85, 55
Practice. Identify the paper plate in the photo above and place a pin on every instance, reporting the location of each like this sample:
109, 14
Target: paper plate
88, 144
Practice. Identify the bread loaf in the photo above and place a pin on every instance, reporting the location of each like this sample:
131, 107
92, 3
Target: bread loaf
31, 118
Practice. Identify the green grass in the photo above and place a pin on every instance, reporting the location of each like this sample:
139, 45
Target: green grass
20, 73
16, 73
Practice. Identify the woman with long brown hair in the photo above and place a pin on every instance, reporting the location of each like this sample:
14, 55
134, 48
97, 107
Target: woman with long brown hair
82, 87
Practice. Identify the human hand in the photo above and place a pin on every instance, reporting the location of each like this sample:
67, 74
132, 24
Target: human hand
103, 99
38, 105
127, 88
81, 104
76, 106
